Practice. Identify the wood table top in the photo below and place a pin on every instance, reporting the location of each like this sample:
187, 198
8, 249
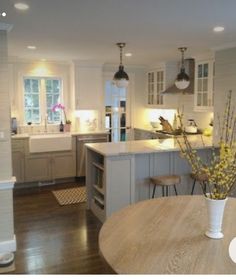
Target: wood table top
167, 236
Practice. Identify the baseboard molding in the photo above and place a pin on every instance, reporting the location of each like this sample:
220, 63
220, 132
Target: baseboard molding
7, 184
8, 246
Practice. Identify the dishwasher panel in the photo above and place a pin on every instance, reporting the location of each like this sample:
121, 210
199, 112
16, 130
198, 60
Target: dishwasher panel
81, 149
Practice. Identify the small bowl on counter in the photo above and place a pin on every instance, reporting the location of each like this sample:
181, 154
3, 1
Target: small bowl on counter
155, 124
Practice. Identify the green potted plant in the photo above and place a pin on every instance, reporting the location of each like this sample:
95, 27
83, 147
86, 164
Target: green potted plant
219, 169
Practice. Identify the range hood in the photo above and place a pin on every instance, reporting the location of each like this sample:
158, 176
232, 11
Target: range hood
189, 65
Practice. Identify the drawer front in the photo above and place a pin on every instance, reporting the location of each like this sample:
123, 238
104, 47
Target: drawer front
18, 145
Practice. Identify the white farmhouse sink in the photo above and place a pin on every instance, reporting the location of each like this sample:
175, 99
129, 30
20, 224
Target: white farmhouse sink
50, 142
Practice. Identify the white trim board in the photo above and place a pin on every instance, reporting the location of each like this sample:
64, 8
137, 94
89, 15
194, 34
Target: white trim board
8, 246
7, 184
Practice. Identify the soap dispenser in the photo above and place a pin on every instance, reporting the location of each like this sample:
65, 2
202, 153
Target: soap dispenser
61, 127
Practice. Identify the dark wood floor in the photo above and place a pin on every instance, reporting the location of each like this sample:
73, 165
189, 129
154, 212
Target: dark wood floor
54, 239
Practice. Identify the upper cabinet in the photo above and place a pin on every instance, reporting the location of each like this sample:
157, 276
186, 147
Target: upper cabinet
204, 85
155, 86
88, 87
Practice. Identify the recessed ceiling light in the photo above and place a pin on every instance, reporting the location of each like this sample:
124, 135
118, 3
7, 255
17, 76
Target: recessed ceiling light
4, 14
31, 47
128, 54
218, 28
21, 6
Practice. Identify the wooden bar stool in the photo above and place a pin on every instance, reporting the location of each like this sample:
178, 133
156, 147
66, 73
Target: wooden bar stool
165, 181
200, 178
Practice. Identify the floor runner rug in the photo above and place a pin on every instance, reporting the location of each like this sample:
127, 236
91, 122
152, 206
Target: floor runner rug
70, 196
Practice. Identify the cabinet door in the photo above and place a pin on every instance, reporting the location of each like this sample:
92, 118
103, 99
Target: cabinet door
155, 86
38, 168
18, 166
18, 159
88, 95
204, 78
151, 85
63, 165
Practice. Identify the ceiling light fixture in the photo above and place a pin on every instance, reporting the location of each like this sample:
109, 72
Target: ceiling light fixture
31, 47
121, 78
182, 81
128, 54
4, 14
218, 29
21, 6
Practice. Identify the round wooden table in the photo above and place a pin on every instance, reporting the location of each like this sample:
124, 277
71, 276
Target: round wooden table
166, 236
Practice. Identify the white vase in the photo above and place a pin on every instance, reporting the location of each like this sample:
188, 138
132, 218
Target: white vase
215, 213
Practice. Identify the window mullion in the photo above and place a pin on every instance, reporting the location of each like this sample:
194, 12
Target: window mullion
43, 100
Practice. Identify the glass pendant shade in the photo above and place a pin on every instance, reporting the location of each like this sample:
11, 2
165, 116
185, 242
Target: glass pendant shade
182, 81
121, 79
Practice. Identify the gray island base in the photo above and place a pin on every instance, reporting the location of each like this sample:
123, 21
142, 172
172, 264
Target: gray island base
118, 174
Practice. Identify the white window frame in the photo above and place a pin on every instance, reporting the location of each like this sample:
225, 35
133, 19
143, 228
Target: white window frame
42, 97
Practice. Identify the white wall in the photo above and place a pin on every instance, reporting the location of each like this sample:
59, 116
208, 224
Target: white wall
7, 239
225, 80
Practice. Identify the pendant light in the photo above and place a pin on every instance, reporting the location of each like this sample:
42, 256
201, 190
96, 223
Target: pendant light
121, 78
182, 81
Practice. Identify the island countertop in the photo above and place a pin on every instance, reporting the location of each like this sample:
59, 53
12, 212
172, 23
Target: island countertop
148, 146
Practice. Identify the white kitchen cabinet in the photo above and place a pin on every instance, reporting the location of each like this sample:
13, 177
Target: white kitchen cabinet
204, 86
63, 163
88, 87
155, 86
18, 159
38, 167
48, 166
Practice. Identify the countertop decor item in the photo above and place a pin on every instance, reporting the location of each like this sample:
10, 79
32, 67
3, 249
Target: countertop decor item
121, 78
182, 81
219, 167
62, 107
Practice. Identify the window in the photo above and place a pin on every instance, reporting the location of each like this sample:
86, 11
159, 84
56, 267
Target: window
40, 94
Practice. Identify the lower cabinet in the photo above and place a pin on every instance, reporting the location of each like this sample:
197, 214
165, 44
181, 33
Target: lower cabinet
38, 168
32, 167
18, 160
63, 165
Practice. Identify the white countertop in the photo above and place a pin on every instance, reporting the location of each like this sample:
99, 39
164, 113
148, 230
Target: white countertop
147, 146
74, 133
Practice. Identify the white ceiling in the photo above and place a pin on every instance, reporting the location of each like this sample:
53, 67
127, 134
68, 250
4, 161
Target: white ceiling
89, 29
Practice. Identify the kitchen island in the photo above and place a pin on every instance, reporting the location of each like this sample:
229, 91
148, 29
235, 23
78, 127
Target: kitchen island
117, 174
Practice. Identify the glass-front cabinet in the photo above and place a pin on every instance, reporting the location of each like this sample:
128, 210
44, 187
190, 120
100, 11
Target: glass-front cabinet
155, 86
204, 85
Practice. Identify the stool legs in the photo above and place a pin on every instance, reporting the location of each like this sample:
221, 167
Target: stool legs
163, 191
194, 182
153, 193
175, 190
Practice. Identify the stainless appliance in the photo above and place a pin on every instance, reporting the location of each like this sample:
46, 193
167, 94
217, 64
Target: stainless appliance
81, 149
13, 125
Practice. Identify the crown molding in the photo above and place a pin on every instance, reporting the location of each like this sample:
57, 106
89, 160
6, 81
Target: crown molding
15, 59
224, 46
